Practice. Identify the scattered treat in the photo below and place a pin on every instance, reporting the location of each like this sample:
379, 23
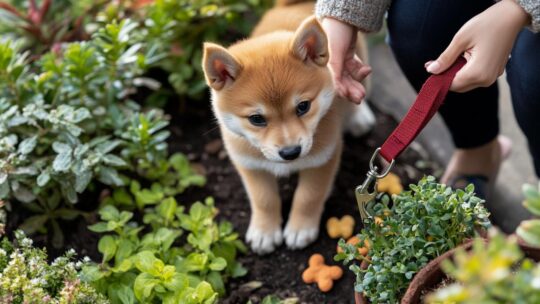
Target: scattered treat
320, 273
340, 228
390, 184
353, 241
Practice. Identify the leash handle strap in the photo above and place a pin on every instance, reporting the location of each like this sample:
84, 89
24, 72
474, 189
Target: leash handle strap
429, 100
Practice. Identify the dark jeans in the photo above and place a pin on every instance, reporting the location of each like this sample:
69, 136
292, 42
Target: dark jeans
420, 30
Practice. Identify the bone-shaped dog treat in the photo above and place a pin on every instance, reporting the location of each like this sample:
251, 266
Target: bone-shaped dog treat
390, 184
353, 241
320, 273
340, 228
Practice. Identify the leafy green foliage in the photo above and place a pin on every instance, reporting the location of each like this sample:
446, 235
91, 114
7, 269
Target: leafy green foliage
493, 272
194, 22
185, 257
420, 225
27, 277
67, 120
529, 230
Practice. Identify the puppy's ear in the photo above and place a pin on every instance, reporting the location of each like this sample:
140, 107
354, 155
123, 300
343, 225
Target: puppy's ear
310, 42
220, 67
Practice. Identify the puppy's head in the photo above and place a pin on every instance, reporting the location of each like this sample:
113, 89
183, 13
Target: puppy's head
272, 90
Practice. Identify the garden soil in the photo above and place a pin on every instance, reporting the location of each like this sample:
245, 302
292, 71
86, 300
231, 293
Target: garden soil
195, 133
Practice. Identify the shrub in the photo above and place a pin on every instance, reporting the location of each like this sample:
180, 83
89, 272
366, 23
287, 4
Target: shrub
67, 121
420, 225
26, 277
192, 23
493, 272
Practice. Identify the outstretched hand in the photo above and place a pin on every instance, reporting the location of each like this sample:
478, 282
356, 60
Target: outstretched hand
486, 42
347, 69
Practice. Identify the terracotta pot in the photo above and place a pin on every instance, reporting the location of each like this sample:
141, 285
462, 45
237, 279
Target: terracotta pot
431, 274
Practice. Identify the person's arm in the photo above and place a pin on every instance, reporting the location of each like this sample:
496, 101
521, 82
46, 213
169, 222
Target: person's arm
365, 15
486, 42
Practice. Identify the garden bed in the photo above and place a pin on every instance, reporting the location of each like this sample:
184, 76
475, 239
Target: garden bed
195, 133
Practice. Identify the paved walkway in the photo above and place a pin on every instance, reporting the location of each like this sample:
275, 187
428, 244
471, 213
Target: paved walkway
393, 94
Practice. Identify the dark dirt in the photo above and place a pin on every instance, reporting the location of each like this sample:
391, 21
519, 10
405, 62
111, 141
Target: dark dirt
195, 133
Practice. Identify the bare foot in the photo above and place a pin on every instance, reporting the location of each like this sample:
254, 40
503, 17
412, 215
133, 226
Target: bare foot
484, 160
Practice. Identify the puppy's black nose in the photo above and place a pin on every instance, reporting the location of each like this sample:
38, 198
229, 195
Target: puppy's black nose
290, 153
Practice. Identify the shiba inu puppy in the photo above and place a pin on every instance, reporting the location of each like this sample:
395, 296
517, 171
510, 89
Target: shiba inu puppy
274, 99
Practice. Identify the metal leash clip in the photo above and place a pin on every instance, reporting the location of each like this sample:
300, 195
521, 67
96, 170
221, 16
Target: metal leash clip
363, 194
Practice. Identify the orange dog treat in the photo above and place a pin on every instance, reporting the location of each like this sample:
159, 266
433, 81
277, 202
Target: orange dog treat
340, 228
390, 184
320, 273
353, 241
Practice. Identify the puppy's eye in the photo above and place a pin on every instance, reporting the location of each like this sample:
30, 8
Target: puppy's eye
303, 107
257, 120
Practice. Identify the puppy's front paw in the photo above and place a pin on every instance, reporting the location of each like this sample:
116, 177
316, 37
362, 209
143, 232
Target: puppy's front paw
300, 237
263, 241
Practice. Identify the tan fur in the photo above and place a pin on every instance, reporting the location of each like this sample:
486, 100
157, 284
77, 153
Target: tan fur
285, 58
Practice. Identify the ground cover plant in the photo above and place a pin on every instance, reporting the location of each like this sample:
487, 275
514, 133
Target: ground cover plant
417, 226
27, 277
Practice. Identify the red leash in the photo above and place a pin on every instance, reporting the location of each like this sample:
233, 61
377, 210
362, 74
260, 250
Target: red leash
429, 100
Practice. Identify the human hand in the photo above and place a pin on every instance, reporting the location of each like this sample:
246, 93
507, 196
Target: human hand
486, 42
347, 69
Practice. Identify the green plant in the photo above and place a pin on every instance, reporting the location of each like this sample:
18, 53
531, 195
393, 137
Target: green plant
420, 225
67, 120
45, 24
27, 277
493, 272
184, 258
192, 23
529, 230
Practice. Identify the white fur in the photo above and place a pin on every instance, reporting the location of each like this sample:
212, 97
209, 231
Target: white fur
263, 241
361, 121
325, 99
298, 239
285, 168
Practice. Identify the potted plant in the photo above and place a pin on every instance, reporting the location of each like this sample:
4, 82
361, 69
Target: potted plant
491, 272
528, 240
407, 232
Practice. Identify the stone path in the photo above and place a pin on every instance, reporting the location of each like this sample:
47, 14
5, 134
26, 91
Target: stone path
392, 93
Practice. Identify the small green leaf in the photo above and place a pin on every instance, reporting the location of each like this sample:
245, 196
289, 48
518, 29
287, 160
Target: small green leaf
62, 162
529, 231
28, 145
218, 264
107, 246
43, 178
143, 286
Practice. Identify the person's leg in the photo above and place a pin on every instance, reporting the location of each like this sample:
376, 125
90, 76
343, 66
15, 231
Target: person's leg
523, 74
419, 31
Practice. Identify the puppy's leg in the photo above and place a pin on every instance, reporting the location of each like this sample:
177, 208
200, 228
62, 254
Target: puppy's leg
361, 120
314, 187
264, 232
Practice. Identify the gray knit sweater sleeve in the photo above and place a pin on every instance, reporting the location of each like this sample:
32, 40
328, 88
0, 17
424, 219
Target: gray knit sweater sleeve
533, 8
366, 15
